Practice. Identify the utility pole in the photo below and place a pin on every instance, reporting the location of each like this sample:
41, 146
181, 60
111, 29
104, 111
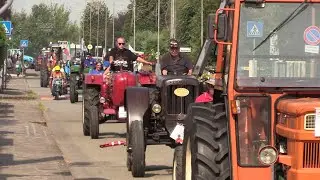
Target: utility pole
106, 30
201, 23
113, 42
90, 23
134, 24
158, 46
98, 31
173, 26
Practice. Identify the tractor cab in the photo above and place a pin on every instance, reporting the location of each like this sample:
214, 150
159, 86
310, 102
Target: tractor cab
263, 121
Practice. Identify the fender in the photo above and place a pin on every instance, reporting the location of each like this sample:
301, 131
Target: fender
137, 104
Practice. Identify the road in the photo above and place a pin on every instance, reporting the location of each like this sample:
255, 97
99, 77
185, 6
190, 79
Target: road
83, 155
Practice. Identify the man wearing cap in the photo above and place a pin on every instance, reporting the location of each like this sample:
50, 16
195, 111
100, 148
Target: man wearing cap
174, 61
208, 95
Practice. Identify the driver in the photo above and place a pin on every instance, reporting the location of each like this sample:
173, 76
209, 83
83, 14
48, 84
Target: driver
175, 61
122, 58
56, 74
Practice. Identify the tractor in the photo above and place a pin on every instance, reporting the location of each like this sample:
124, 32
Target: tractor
104, 98
264, 120
76, 76
155, 111
47, 65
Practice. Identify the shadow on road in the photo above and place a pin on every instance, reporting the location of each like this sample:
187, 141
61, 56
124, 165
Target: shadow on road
112, 135
7, 160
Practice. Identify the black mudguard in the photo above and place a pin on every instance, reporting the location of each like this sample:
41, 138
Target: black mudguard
137, 104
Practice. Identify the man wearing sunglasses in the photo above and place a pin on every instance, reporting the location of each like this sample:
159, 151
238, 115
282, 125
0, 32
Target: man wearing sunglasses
174, 62
122, 58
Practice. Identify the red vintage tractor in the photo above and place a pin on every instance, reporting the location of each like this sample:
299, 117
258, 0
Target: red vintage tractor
104, 99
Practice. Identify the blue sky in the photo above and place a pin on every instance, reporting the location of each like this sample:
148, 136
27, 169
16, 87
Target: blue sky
76, 6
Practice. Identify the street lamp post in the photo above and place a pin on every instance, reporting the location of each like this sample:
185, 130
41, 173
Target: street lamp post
134, 24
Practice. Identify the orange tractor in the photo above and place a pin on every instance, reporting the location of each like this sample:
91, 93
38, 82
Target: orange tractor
264, 121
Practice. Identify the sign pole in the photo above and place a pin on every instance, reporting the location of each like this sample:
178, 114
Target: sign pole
313, 68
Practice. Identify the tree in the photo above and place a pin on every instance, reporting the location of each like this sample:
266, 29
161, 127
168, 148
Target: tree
94, 8
45, 24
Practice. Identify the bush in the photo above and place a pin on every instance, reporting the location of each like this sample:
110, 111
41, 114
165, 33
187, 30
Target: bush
2, 46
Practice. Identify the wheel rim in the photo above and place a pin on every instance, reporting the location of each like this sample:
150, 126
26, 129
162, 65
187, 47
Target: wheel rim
188, 170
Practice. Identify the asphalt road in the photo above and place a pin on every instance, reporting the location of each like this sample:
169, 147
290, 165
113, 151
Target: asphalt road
85, 158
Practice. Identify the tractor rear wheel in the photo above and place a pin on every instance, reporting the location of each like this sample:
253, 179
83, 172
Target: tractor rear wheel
73, 88
91, 98
206, 148
137, 144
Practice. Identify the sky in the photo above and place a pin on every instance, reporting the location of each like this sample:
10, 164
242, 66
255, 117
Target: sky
76, 6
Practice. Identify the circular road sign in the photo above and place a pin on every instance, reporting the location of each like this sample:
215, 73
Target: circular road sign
89, 46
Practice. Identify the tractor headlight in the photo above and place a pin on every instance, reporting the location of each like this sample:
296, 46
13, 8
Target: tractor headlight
268, 155
102, 100
156, 108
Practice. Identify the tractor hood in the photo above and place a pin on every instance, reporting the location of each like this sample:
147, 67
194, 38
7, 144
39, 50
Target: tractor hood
175, 80
298, 106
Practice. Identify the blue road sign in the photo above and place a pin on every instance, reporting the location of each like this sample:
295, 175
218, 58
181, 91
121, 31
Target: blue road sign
7, 25
24, 43
254, 29
312, 35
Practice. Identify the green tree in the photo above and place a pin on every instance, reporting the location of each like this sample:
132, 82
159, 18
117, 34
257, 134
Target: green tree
94, 8
45, 24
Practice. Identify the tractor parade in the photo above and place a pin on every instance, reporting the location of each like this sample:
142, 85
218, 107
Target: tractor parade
245, 106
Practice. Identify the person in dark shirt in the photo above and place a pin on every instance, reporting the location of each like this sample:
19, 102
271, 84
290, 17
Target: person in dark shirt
174, 62
122, 58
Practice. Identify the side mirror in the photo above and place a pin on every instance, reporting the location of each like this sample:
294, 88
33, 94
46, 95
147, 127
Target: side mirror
222, 27
211, 25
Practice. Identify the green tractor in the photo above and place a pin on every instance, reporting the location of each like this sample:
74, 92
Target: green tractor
77, 72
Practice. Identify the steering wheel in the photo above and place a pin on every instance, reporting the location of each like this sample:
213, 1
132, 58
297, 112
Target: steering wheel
177, 73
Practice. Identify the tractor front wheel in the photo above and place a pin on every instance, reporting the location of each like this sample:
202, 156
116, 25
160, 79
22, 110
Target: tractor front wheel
91, 99
85, 120
137, 149
206, 149
177, 163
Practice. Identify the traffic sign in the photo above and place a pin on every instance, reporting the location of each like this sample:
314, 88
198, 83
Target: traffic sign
254, 29
312, 35
185, 49
7, 25
89, 46
24, 43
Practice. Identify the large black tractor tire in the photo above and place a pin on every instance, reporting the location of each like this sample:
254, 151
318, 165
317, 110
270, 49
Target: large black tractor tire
206, 148
85, 121
41, 79
74, 96
94, 122
91, 98
137, 144
177, 163
45, 77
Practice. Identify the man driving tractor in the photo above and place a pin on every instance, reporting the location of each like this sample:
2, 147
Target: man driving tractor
56, 73
89, 62
175, 61
122, 58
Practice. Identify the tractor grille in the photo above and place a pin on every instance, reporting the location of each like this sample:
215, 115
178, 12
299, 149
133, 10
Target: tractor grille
309, 122
177, 105
311, 155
